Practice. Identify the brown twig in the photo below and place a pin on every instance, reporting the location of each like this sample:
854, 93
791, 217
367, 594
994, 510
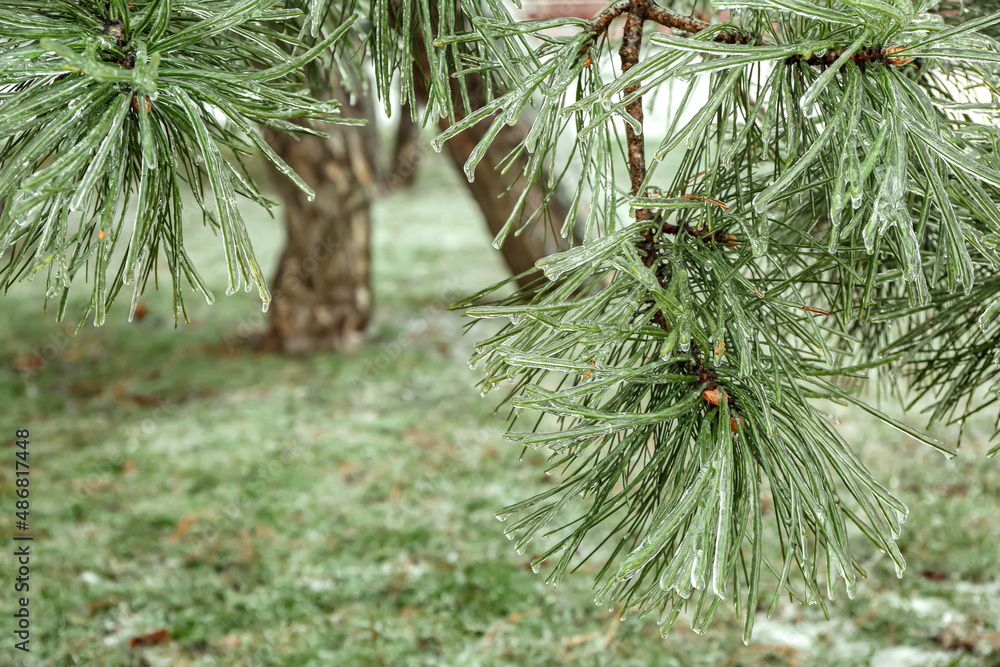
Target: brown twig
862, 58
667, 18
629, 53
649, 10
636, 13
599, 24
719, 235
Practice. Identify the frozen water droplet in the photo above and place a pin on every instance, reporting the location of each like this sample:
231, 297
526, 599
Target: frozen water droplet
311, 197
535, 567
811, 110
436, 145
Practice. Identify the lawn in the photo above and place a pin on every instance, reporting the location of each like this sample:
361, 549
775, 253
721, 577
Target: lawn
339, 509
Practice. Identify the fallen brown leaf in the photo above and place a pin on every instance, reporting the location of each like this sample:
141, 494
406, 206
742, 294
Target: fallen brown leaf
160, 636
147, 400
26, 363
183, 526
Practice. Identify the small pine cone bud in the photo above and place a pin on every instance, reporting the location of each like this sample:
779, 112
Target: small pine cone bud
898, 62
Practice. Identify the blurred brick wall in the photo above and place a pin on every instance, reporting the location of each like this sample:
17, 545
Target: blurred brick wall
539, 9
586, 9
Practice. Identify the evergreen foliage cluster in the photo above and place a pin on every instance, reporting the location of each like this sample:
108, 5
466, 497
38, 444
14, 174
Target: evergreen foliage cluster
112, 104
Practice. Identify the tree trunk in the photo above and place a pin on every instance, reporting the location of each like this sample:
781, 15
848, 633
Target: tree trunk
322, 297
494, 192
490, 190
406, 152
489, 187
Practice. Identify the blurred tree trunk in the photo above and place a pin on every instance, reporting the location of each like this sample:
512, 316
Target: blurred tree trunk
322, 298
519, 252
406, 151
490, 190
490, 187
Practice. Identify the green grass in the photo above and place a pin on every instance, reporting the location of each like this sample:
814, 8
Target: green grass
338, 509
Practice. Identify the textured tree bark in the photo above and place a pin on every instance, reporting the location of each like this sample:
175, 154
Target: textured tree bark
322, 297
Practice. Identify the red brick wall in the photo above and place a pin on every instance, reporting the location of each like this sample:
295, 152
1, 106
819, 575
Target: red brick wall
540, 9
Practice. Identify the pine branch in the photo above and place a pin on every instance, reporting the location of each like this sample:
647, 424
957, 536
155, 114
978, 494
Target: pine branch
680, 365
103, 102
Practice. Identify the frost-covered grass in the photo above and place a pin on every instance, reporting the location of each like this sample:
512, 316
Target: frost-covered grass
338, 509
